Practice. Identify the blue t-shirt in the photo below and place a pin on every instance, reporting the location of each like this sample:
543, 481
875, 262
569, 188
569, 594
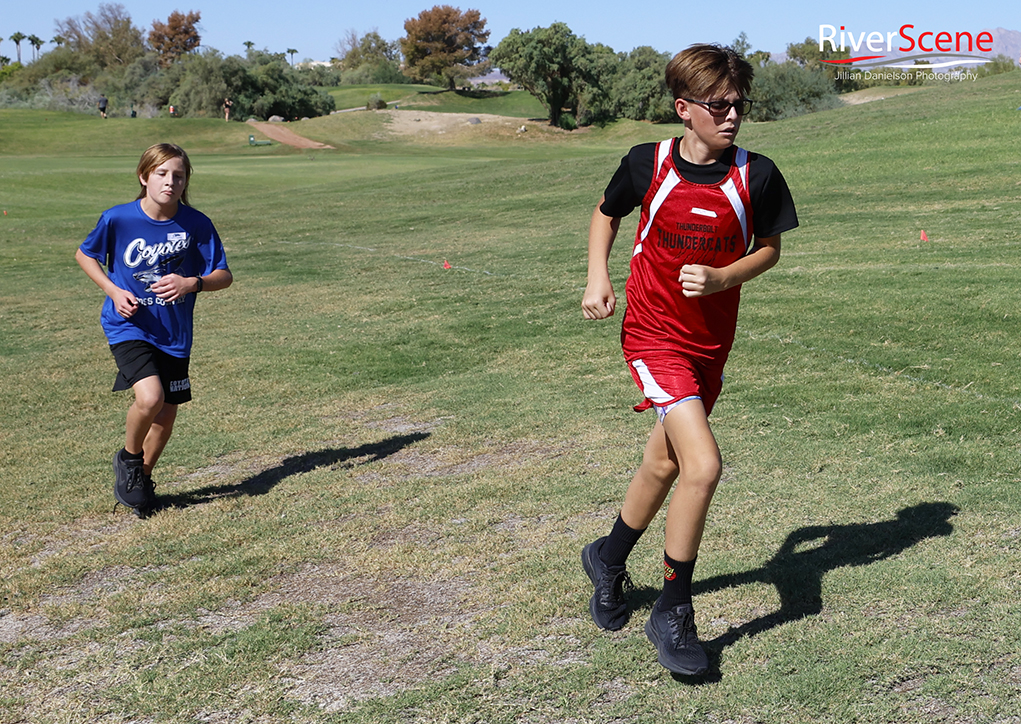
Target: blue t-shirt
136, 251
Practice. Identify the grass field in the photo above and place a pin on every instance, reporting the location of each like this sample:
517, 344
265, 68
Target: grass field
377, 499
515, 104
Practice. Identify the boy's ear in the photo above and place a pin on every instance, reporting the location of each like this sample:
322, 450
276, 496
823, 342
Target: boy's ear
681, 106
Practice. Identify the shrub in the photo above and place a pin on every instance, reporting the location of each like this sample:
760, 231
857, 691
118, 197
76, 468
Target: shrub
376, 102
784, 90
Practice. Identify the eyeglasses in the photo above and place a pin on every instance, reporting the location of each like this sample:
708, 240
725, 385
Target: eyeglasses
719, 109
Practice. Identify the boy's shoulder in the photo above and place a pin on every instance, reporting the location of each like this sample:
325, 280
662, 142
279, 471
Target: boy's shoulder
647, 149
643, 154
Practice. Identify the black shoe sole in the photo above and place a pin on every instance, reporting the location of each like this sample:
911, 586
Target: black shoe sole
650, 632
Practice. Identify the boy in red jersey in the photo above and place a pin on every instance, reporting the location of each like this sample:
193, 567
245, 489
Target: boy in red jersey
711, 219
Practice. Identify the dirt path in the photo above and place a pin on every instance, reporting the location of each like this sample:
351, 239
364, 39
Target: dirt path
415, 122
280, 133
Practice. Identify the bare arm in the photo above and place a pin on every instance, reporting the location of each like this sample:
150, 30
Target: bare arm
700, 281
172, 286
123, 301
599, 300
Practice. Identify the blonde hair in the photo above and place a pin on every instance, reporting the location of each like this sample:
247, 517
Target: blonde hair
156, 155
704, 71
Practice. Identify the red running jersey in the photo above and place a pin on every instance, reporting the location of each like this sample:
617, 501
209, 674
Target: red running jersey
686, 223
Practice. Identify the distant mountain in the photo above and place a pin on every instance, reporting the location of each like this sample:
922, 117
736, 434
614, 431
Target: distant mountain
1007, 42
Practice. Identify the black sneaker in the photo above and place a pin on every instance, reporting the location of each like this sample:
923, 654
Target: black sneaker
608, 605
673, 634
150, 492
129, 486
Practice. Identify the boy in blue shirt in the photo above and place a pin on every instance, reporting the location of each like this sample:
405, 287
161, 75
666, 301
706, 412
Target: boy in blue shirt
159, 253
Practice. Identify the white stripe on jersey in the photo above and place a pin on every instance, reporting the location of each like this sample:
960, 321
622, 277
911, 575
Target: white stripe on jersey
650, 388
730, 189
741, 161
668, 185
663, 149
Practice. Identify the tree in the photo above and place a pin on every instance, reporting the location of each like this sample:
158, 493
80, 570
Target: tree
291, 52
445, 43
58, 40
1000, 64
16, 39
639, 90
202, 87
371, 49
177, 36
599, 68
248, 46
807, 55
368, 59
108, 36
37, 43
547, 63
784, 90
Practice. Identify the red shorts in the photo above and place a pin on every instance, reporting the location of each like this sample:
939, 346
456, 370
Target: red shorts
666, 379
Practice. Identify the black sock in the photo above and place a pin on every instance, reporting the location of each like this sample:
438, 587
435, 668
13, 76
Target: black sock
132, 456
677, 577
618, 545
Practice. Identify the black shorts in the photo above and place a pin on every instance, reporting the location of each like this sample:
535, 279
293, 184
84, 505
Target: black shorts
137, 360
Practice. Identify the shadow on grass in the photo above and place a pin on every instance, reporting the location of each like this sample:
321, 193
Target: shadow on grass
263, 482
477, 93
808, 553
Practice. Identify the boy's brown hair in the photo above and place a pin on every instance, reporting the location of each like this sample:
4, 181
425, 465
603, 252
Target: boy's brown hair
156, 155
707, 71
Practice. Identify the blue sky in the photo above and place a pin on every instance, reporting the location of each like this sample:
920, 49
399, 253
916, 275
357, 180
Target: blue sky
313, 27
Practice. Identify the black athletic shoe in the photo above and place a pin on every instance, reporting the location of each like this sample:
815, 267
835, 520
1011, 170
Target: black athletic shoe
129, 486
608, 605
150, 493
673, 634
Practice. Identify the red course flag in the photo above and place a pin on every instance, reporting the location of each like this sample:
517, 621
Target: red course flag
924, 236
446, 264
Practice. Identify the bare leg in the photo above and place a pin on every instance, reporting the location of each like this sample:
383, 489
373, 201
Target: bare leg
683, 449
159, 434
652, 482
147, 405
687, 429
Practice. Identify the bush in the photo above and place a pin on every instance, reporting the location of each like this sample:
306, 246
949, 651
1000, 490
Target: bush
372, 74
376, 102
784, 90
261, 84
1000, 64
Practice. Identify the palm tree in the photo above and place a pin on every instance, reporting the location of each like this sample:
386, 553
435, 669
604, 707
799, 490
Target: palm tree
37, 43
16, 39
291, 52
58, 40
249, 45
4, 60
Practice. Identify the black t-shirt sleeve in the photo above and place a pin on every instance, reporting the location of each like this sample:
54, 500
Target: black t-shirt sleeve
772, 203
631, 180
